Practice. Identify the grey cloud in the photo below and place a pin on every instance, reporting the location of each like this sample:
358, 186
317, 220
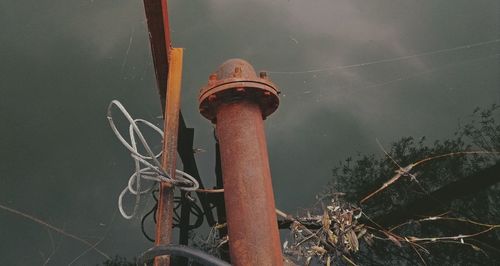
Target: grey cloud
62, 61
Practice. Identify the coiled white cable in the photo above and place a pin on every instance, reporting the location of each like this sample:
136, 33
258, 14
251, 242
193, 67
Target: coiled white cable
147, 166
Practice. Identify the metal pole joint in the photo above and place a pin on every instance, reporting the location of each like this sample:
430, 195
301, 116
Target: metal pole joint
236, 80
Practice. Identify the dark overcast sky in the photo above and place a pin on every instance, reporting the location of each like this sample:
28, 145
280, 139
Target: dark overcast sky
62, 62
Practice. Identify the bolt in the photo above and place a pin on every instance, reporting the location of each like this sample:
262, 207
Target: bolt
240, 90
212, 97
263, 75
267, 93
237, 72
213, 77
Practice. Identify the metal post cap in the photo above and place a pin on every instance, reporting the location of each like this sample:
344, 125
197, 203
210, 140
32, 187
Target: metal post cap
236, 80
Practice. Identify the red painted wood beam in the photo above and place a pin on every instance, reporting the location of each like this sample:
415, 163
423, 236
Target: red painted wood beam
159, 37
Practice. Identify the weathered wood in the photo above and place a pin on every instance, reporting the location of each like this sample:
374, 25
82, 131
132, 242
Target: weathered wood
169, 158
159, 38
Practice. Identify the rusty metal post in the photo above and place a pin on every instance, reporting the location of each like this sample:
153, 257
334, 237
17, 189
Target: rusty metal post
169, 159
237, 101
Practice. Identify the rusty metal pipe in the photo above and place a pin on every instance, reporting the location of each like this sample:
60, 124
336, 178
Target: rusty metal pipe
249, 200
237, 101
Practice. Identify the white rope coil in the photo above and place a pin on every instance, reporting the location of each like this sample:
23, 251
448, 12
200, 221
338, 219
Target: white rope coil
148, 166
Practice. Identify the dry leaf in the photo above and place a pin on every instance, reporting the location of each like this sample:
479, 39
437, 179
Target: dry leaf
353, 240
325, 221
361, 233
393, 239
319, 250
332, 238
476, 248
369, 239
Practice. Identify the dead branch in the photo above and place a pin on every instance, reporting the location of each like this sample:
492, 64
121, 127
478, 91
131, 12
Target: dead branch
406, 171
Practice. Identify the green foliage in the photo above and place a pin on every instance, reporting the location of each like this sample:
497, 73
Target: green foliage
358, 177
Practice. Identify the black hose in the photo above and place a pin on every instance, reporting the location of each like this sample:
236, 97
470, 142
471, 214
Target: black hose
182, 251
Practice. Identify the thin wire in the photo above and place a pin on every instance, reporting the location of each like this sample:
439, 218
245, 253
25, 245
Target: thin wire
148, 166
387, 60
143, 221
429, 71
56, 229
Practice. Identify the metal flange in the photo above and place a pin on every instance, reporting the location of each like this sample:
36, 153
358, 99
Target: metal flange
236, 80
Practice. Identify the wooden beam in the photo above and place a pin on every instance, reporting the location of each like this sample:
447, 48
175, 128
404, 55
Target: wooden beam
160, 41
169, 158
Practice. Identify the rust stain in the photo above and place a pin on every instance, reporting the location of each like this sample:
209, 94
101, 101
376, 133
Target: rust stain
237, 101
169, 158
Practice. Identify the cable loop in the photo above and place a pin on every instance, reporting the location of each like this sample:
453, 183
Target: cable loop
148, 166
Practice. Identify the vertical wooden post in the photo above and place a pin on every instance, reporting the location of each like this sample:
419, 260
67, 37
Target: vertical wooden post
166, 200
